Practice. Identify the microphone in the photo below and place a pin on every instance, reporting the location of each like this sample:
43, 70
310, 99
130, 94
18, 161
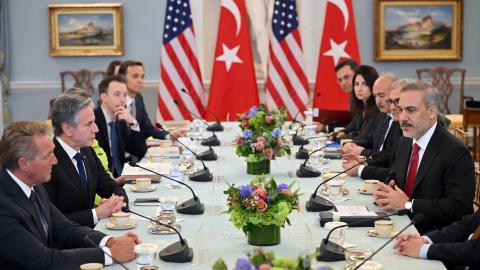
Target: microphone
210, 141
302, 153
294, 120
319, 203
192, 206
298, 140
332, 252
217, 126
104, 252
178, 252
415, 220
308, 171
205, 155
203, 175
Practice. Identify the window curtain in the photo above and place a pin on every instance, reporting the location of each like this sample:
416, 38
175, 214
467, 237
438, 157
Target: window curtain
4, 63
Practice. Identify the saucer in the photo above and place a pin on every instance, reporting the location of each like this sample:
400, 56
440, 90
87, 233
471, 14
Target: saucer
153, 230
373, 233
150, 188
112, 226
364, 191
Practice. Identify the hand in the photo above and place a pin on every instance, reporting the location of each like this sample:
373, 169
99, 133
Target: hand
351, 157
409, 245
347, 148
349, 164
120, 180
178, 133
121, 113
390, 196
109, 206
341, 135
122, 247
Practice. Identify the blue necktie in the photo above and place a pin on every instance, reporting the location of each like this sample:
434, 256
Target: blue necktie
114, 148
41, 214
81, 170
383, 132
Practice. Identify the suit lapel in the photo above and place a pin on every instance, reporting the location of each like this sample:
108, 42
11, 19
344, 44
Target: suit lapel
404, 160
43, 206
102, 129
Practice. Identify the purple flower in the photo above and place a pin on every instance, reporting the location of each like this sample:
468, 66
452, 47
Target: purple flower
245, 191
252, 112
282, 186
276, 132
247, 133
243, 264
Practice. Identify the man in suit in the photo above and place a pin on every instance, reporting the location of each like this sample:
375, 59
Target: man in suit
79, 174
32, 227
119, 132
432, 172
455, 245
135, 76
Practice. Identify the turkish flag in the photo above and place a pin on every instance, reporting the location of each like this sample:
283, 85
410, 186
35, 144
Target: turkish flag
233, 89
339, 42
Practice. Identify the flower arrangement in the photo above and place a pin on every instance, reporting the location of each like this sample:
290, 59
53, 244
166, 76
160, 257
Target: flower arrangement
266, 261
261, 203
261, 137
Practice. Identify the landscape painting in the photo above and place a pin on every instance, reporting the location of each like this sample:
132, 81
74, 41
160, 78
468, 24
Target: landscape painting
86, 29
419, 30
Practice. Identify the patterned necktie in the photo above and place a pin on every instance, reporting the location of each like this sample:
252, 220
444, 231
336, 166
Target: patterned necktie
81, 170
115, 148
133, 109
383, 132
34, 199
412, 170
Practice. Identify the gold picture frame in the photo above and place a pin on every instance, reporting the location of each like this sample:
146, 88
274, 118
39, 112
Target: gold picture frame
418, 30
86, 29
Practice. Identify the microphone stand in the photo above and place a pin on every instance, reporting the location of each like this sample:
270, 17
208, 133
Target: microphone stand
318, 203
178, 252
108, 255
192, 206
297, 139
332, 252
217, 126
302, 153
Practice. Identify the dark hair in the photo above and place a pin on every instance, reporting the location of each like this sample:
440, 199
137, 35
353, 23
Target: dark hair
349, 62
103, 85
111, 67
370, 75
124, 66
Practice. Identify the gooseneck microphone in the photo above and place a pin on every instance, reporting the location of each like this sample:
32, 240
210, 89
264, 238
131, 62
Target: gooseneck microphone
104, 252
192, 206
205, 155
298, 140
178, 252
318, 203
294, 120
203, 175
307, 171
332, 252
210, 141
415, 220
302, 153
217, 126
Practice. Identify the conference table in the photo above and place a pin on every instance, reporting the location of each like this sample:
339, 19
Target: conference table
212, 236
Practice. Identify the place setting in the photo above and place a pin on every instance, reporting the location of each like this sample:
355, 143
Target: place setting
383, 229
142, 185
166, 214
120, 221
369, 187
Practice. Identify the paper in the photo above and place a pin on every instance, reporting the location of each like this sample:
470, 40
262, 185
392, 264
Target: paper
353, 210
131, 173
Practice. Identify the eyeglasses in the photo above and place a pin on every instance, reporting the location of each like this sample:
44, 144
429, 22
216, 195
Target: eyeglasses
395, 102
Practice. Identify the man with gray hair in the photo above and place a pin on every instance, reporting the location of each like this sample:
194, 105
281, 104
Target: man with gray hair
432, 172
79, 174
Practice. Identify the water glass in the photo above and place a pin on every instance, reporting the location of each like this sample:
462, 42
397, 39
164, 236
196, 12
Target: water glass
355, 255
335, 188
317, 158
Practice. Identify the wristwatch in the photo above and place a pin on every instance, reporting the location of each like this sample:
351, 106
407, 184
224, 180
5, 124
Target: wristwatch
408, 205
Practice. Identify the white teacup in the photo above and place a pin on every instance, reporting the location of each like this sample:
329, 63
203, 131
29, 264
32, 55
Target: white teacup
335, 190
91, 266
370, 185
337, 236
143, 183
384, 227
120, 219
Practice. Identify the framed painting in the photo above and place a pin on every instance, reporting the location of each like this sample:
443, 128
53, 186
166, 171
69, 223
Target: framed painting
418, 30
86, 29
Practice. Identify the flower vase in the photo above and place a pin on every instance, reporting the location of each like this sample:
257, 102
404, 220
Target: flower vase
263, 235
259, 167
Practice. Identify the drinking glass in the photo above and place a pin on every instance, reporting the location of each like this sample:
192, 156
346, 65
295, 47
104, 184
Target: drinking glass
355, 255
335, 190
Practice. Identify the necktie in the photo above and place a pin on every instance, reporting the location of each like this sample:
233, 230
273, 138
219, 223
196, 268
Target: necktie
383, 132
412, 170
133, 109
81, 170
476, 234
114, 148
40, 213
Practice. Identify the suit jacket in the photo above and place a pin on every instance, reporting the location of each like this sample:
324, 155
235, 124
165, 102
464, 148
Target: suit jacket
451, 244
129, 140
67, 192
445, 181
362, 127
143, 120
24, 244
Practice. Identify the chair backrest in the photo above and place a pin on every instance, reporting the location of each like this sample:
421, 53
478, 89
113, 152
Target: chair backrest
82, 79
461, 135
441, 79
476, 197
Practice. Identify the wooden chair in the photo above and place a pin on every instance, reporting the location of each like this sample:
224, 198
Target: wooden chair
461, 135
441, 79
476, 197
81, 79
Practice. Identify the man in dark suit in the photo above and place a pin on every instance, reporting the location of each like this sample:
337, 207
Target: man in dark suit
432, 172
455, 245
79, 174
119, 132
32, 227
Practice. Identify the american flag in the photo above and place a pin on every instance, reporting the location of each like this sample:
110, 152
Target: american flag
287, 84
179, 66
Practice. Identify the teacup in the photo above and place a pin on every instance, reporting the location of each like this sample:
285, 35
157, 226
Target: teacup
120, 219
335, 190
345, 141
384, 227
143, 183
337, 236
91, 266
370, 185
